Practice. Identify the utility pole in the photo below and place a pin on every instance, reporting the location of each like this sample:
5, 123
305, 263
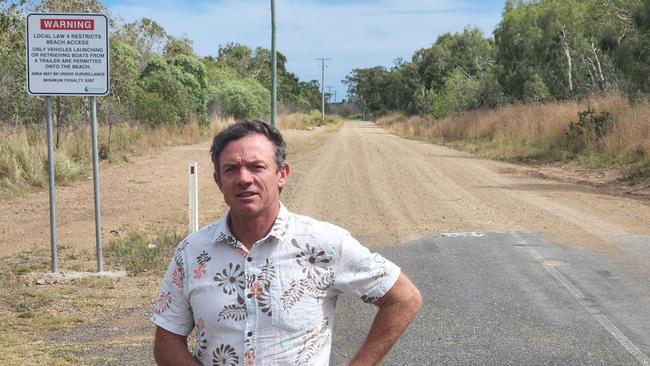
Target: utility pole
322, 85
274, 66
329, 97
334, 96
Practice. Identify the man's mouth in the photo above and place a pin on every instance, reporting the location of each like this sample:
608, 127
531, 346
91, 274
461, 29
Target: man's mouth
246, 194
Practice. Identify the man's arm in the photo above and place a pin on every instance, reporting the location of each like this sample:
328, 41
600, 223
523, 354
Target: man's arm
396, 310
171, 349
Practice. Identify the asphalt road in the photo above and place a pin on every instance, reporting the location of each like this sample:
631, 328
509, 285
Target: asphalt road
514, 299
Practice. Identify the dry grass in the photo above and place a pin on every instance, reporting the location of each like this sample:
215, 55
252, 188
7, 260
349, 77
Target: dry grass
35, 318
24, 161
538, 132
304, 121
28, 311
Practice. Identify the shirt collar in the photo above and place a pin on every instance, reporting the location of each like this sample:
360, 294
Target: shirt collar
278, 230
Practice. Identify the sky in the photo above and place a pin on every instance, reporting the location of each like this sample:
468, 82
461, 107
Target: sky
352, 34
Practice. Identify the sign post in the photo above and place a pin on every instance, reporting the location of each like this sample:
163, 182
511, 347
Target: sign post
50, 160
67, 55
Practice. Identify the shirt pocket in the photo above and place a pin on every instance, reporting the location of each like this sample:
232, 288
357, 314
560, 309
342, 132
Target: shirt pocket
297, 304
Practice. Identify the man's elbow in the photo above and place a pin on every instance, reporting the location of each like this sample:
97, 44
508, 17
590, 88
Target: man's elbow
409, 297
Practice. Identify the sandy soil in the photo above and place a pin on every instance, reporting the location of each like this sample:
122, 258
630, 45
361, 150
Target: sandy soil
382, 188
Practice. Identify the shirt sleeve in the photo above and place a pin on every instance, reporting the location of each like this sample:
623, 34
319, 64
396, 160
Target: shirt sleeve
363, 273
172, 311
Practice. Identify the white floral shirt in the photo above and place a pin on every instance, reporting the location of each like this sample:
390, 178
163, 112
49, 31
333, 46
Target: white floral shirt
274, 304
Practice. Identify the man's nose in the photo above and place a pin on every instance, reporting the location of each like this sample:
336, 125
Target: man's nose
244, 177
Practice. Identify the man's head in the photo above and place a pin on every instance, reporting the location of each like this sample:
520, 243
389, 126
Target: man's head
249, 158
245, 128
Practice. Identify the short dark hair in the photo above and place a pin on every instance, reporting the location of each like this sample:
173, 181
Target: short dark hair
245, 128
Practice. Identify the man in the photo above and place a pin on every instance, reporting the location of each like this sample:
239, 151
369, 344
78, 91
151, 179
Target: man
260, 286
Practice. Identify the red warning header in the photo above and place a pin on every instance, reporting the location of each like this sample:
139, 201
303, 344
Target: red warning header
68, 24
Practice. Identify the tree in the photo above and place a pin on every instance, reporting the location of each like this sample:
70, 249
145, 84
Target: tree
369, 86
146, 36
236, 57
124, 87
460, 93
554, 41
244, 98
628, 42
180, 82
177, 46
470, 51
16, 107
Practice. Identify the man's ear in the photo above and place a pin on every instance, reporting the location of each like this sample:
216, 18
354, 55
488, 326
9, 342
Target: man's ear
217, 179
284, 175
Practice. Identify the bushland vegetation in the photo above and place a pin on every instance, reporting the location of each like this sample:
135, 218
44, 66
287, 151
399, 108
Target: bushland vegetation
559, 80
160, 92
600, 132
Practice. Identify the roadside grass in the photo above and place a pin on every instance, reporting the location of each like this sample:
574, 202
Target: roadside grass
604, 132
34, 318
140, 252
26, 313
307, 121
24, 160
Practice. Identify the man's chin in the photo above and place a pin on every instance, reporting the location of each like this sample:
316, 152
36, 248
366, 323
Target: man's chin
245, 209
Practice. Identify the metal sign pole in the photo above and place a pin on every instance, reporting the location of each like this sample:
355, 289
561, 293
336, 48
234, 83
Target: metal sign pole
98, 218
50, 158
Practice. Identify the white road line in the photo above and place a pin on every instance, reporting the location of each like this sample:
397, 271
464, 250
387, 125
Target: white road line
588, 306
466, 234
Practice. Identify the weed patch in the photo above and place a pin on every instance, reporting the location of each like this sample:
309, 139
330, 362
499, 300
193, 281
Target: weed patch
141, 253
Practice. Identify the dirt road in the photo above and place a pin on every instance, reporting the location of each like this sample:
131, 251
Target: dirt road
384, 189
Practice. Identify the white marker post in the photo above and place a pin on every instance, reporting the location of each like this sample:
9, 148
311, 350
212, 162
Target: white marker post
194, 196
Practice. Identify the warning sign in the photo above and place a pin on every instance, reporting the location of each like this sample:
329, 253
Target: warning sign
67, 54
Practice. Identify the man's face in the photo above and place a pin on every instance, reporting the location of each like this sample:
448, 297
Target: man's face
249, 178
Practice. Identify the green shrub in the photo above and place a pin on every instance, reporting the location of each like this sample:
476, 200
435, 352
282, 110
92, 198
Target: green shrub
535, 90
589, 131
244, 99
154, 110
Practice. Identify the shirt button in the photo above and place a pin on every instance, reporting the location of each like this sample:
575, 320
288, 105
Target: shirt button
249, 259
250, 334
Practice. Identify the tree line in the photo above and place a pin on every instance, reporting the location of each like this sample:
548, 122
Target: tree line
541, 51
156, 77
